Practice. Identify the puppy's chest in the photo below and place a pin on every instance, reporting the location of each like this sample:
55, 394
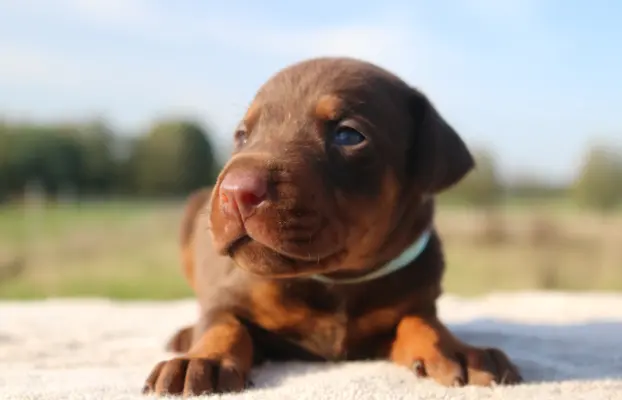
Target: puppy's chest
332, 326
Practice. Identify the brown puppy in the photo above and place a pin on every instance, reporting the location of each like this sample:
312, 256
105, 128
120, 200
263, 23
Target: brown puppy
318, 242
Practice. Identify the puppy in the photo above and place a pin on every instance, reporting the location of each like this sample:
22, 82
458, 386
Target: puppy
317, 241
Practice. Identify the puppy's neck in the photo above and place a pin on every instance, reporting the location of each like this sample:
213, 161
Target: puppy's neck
412, 219
407, 257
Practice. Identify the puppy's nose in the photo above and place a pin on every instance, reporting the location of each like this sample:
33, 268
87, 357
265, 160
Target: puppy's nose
242, 191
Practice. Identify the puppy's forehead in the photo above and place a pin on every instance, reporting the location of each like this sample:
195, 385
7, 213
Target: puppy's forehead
324, 87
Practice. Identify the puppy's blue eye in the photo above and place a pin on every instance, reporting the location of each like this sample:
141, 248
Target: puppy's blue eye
345, 136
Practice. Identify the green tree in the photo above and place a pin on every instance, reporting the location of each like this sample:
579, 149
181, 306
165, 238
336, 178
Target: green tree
97, 142
126, 157
49, 155
23, 160
175, 158
482, 188
5, 172
63, 161
598, 185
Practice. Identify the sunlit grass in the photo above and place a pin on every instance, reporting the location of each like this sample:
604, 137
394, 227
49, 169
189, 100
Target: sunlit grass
129, 250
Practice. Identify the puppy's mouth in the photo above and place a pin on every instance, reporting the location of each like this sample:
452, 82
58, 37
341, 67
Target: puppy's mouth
273, 263
237, 244
246, 239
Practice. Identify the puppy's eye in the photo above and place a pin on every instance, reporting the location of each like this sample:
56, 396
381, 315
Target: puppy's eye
240, 138
346, 136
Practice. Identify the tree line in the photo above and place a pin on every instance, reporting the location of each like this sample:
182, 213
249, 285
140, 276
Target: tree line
175, 156
171, 158
597, 184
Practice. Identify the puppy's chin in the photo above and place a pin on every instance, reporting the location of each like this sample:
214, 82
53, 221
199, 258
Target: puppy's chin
264, 246
262, 260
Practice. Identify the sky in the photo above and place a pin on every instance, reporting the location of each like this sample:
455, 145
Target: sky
534, 81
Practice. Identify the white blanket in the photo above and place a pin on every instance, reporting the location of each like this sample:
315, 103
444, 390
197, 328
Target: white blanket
569, 346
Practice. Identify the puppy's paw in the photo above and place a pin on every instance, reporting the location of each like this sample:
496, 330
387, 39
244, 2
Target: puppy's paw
194, 377
467, 366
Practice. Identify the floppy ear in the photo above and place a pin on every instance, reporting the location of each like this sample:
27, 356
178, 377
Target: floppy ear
438, 157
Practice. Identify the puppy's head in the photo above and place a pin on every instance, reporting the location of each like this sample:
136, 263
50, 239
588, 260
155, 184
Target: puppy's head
333, 164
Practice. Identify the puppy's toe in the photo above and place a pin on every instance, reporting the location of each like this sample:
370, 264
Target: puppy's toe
194, 377
490, 366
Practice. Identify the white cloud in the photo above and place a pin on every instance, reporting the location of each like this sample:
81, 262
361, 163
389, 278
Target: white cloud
449, 73
115, 12
502, 12
32, 64
104, 12
35, 66
390, 42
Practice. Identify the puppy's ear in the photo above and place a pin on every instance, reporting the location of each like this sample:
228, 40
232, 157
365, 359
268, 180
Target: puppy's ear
438, 158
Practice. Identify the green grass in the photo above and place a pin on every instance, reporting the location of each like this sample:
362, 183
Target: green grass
129, 250
119, 250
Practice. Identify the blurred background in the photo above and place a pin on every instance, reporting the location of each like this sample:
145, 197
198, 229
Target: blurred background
113, 111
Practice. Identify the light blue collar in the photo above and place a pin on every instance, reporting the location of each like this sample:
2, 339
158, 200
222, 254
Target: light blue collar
405, 258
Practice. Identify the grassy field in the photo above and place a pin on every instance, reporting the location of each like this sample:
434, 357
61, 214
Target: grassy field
129, 250
120, 250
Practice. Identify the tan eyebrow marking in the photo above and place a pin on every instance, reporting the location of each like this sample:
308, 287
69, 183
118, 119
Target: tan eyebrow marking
328, 107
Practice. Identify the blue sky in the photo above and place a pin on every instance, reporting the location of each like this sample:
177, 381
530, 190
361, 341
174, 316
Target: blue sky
533, 80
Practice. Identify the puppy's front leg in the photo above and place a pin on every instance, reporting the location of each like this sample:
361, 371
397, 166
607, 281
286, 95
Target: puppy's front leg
218, 362
427, 346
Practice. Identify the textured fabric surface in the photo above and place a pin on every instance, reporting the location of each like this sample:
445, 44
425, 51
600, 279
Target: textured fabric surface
569, 346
